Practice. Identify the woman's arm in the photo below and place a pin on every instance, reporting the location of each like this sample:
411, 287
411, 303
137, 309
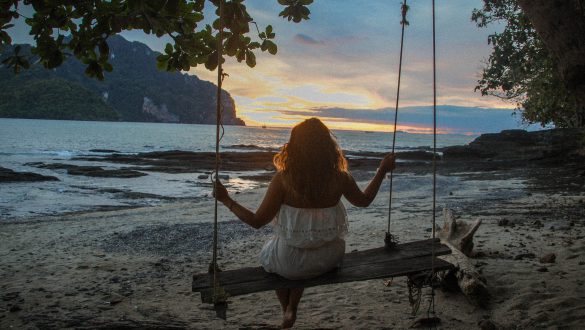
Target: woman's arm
267, 210
353, 193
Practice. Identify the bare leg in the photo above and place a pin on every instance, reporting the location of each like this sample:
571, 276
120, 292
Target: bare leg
283, 296
290, 316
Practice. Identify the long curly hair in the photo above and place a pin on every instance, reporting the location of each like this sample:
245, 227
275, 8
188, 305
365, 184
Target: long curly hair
311, 160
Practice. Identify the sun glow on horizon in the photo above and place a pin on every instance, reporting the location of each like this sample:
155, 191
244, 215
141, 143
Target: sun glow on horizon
273, 95
342, 67
321, 65
344, 124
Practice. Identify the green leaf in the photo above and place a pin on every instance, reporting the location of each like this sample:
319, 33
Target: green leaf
240, 55
231, 45
107, 66
169, 48
104, 48
162, 63
5, 38
250, 59
269, 34
272, 48
211, 62
94, 70
172, 7
185, 63
54, 59
194, 61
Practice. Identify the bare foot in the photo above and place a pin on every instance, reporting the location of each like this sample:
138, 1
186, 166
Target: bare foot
290, 316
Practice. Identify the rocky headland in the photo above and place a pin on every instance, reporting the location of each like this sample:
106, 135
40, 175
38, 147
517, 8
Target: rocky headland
134, 91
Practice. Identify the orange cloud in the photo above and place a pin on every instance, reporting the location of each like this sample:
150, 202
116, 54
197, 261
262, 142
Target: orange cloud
323, 66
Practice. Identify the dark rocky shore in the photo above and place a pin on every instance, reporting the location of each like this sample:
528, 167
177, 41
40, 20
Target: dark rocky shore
490, 152
511, 149
8, 175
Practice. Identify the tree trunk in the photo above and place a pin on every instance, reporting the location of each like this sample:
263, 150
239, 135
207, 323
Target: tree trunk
561, 25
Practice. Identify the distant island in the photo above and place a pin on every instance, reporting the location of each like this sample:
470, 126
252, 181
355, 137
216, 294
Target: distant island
134, 91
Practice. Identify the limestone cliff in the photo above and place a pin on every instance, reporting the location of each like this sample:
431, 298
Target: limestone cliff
136, 90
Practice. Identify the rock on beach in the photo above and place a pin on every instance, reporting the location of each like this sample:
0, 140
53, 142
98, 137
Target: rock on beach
8, 175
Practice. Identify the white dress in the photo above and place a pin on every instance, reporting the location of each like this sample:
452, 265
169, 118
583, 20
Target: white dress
306, 242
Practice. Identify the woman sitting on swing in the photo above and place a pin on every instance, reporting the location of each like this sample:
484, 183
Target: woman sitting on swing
305, 197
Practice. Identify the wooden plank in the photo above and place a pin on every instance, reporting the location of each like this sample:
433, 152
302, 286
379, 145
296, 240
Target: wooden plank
377, 263
341, 275
355, 259
403, 251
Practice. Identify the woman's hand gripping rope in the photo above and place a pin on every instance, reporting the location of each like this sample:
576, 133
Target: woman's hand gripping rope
388, 163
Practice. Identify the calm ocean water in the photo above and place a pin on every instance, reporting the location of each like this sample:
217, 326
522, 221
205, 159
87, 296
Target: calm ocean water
25, 141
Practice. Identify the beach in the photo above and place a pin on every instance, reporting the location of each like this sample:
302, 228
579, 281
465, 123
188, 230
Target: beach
132, 268
120, 133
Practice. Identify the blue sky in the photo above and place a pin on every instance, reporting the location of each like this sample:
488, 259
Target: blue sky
342, 65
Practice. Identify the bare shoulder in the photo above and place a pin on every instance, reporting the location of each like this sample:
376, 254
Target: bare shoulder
277, 182
277, 179
345, 178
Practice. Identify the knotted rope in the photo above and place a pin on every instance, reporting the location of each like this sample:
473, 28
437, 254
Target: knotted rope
219, 296
390, 240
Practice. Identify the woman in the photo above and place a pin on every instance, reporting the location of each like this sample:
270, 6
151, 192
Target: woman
304, 196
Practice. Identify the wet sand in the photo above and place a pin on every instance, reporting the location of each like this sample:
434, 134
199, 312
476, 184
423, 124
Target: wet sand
132, 268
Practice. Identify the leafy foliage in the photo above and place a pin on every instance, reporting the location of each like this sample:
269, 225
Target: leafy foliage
53, 98
89, 24
520, 69
295, 10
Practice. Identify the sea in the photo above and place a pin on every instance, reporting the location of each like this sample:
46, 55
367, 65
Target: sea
24, 142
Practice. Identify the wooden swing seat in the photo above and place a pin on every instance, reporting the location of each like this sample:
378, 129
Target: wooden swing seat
405, 259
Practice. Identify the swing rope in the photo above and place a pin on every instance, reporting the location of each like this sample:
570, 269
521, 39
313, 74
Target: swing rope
432, 302
218, 296
390, 240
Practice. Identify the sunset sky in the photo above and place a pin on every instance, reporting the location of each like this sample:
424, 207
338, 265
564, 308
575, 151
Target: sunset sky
342, 66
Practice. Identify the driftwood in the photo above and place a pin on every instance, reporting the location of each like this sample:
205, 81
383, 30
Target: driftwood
458, 235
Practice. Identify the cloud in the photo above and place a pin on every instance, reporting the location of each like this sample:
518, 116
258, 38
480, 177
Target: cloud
342, 65
306, 40
452, 119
